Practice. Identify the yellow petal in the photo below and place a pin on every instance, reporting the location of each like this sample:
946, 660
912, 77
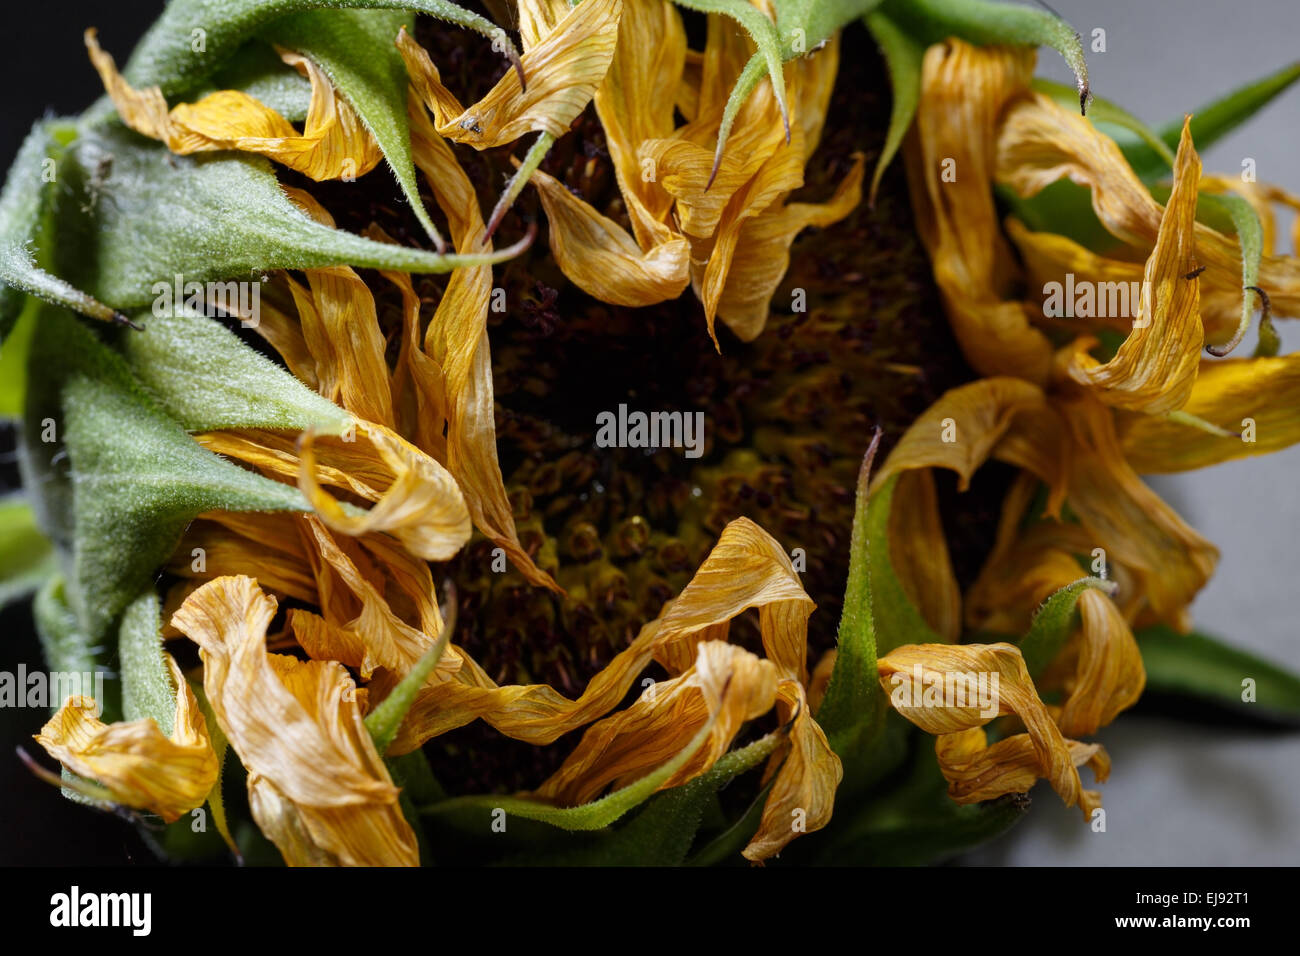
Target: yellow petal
746, 569
976, 771
1040, 142
910, 676
415, 499
963, 429
950, 163
803, 791
602, 259
457, 343
1256, 397
726, 683
1109, 676
136, 762
751, 255
317, 788
334, 142
919, 554
635, 105
1126, 518
1155, 367
563, 70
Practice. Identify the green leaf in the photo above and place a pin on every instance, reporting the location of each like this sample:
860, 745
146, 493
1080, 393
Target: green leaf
852, 710
26, 556
166, 54
476, 812
903, 60
769, 59
1054, 621
662, 833
67, 646
147, 689
384, 721
915, 824
988, 24
1214, 120
205, 378
135, 478
215, 216
13, 357
356, 50
23, 209
869, 738
1202, 667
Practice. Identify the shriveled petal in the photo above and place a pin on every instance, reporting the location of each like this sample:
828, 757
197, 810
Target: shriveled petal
334, 142
950, 163
963, 429
1155, 367
1130, 521
803, 791
415, 499
914, 677
746, 569
726, 683
563, 70
317, 787
1109, 676
635, 105
340, 327
976, 771
919, 553
135, 761
1114, 286
1256, 397
1040, 142
602, 259
457, 343
748, 263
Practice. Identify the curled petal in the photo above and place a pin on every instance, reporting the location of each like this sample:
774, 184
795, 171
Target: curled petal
563, 69
1109, 675
746, 569
317, 788
803, 790
602, 259
1257, 397
962, 429
136, 762
1170, 561
1155, 367
950, 164
976, 771
726, 683
948, 688
334, 142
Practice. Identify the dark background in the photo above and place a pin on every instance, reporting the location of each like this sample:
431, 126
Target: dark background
45, 69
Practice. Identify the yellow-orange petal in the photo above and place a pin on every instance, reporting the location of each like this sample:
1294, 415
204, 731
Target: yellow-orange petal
317, 788
138, 764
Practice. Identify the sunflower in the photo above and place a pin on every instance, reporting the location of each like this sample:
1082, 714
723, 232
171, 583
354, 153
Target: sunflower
723, 447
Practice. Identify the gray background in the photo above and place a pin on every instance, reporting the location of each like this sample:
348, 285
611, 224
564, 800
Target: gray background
1183, 794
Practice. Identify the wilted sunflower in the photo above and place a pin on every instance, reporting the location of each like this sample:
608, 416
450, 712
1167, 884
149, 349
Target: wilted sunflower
411, 533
